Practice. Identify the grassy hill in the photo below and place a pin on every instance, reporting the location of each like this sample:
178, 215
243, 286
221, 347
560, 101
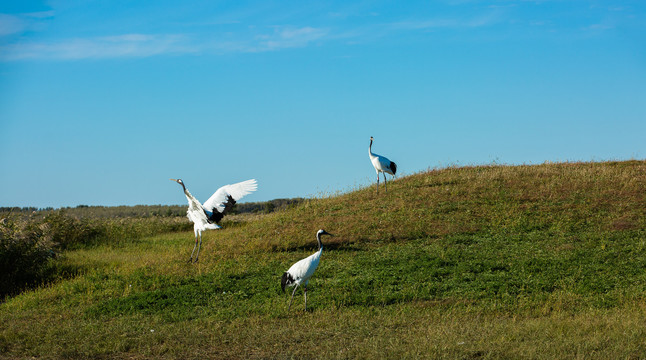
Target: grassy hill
545, 261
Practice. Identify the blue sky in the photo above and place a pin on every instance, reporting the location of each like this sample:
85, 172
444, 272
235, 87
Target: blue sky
101, 102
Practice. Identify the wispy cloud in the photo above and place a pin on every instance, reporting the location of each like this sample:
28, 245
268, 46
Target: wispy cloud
20, 23
40, 14
10, 24
147, 45
374, 31
598, 27
21, 35
128, 45
289, 37
473, 22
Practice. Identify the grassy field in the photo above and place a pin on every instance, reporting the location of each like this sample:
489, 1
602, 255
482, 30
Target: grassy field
489, 262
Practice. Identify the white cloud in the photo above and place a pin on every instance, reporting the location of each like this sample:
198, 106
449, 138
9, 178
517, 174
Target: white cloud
599, 27
10, 24
20, 23
474, 22
41, 14
146, 45
128, 45
289, 37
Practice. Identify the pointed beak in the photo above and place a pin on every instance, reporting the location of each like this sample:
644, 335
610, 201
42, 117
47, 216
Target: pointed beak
175, 180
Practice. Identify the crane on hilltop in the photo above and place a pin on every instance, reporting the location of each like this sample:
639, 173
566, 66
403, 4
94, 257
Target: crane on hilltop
382, 165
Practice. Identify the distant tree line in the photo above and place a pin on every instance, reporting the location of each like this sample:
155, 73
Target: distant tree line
145, 211
266, 206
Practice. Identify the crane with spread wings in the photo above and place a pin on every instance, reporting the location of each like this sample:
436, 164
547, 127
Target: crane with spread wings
207, 216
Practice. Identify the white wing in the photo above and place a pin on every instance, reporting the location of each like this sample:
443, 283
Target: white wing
304, 268
236, 191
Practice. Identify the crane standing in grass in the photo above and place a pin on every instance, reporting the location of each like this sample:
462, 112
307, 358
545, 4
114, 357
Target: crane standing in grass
382, 165
206, 217
302, 271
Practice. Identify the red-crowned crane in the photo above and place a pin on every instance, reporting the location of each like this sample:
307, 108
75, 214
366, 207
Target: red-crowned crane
302, 271
382, 165
207, 216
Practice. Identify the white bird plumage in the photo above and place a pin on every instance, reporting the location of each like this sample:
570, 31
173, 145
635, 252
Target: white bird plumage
206, 216
381, 165
302, 270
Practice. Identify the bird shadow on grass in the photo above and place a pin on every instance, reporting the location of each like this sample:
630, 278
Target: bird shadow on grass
362, 244
337, 246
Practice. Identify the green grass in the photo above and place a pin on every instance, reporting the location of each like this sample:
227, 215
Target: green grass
545, 261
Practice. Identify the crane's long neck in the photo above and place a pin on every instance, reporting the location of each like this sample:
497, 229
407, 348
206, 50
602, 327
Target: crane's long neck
370, 150
188, 194
191, 199
318, 238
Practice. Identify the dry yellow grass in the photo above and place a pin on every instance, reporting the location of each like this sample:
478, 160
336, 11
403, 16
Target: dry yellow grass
492, 262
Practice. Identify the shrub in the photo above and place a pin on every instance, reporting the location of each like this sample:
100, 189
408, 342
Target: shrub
25, 251
69, 232
28, 244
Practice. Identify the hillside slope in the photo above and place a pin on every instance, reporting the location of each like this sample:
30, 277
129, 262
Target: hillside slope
543, 261
551, 199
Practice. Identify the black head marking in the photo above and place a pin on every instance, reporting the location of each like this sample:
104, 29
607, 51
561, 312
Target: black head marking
179, 181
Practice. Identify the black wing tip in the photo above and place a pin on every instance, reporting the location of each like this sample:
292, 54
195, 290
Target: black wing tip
215, 216
228, 205
393, 166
